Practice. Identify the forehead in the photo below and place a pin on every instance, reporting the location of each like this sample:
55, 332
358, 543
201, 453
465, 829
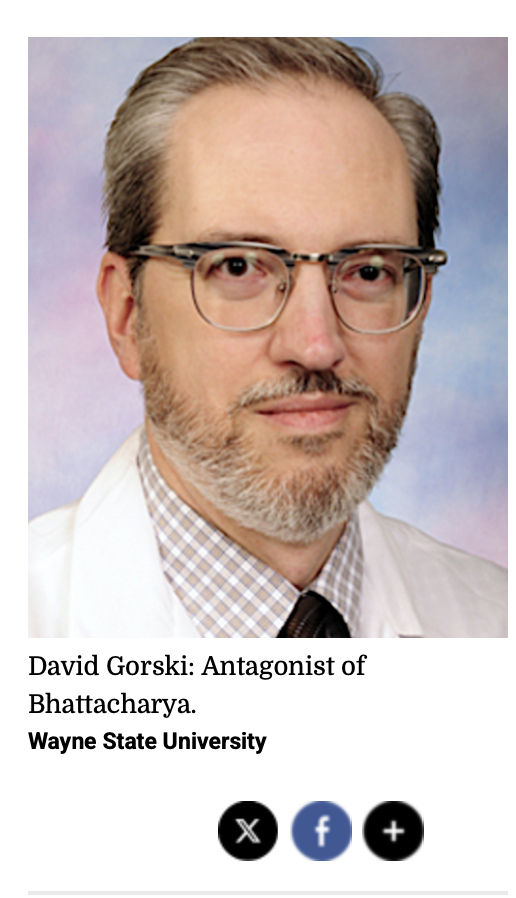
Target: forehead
293, 161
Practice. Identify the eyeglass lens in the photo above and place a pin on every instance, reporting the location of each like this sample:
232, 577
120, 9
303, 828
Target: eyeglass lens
373, 290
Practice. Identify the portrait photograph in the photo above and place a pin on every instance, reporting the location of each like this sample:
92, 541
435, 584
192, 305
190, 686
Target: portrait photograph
290, 261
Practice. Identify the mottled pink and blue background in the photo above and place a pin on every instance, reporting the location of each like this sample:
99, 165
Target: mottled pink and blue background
449, 473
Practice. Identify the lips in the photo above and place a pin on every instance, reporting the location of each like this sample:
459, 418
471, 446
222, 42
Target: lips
307, 412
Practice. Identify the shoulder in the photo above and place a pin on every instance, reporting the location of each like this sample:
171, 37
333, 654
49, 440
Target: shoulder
52, 537
50, 541
453, 593
50, 532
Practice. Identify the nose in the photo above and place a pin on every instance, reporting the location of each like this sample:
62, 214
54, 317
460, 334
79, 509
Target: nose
308, 332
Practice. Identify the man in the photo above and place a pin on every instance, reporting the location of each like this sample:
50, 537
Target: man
270, 260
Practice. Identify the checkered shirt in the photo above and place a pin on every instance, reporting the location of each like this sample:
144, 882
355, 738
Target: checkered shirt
226, 591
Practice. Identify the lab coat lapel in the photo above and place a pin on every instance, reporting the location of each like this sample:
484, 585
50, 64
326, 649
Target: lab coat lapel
123, 592
386, 609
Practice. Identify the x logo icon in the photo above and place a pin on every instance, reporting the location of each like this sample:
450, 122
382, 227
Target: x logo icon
247, 830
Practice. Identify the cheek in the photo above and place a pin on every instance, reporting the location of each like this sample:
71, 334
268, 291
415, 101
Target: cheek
385, 362
209, 365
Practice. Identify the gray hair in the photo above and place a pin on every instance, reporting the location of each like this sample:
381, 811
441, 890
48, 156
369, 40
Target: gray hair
137, 142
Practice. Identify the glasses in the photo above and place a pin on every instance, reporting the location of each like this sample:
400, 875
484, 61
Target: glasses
375, 289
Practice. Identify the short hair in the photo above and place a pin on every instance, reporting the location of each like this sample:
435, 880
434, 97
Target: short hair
137, 142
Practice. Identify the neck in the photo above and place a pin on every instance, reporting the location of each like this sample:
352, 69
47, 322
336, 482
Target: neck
299, 564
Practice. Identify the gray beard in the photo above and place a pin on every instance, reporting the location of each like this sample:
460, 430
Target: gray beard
216, 457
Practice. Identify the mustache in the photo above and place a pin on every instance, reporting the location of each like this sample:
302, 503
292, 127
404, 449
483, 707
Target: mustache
297, 383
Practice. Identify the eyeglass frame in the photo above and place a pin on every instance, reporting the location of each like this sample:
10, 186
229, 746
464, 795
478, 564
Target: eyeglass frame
429, 258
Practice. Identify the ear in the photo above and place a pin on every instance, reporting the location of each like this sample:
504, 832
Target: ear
115, 293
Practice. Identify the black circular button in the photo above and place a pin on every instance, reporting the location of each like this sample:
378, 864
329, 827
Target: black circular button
248, 830
393, 831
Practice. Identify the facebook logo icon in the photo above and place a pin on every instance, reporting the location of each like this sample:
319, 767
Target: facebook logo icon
321, 830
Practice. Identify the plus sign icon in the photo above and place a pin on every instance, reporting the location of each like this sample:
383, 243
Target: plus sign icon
393, 831
321, 831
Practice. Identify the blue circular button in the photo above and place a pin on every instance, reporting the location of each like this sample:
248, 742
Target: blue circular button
321, 830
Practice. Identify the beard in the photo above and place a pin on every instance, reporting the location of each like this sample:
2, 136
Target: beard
214, 454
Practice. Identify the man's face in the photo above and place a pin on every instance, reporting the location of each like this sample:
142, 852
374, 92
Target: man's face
301, 415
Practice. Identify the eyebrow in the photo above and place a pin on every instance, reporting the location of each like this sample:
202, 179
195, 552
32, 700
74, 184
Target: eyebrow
239, 237
232, 237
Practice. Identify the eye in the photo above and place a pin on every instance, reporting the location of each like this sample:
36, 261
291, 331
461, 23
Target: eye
232, 265
371, 272
369, 277
238, 274
236, 266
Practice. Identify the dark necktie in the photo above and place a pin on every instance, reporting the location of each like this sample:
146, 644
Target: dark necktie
314, 617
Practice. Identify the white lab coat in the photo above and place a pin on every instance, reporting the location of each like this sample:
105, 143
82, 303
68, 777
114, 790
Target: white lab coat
95, 571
